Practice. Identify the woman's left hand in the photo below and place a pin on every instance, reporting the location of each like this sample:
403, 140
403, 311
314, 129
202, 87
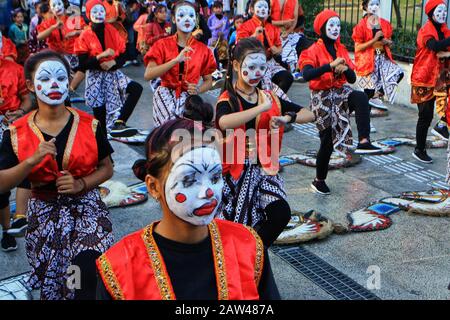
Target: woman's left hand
67, 184
14, 115
192, 88
107, 65
278, 121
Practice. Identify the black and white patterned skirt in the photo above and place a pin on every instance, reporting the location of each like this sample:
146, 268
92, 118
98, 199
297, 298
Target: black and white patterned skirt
244, 200
60, 229
166, 105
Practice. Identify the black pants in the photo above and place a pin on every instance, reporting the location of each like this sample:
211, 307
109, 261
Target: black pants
426, 113
358, 102
284, 80
88, 272
278, 214
134, 91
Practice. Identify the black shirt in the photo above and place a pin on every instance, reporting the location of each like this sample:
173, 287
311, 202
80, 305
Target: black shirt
8, 158
224, 108
191, 271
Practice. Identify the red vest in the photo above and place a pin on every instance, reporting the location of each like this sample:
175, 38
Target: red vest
133, 269
80, 156
365, 60
316, 56
236, 142
285, 13
426, 69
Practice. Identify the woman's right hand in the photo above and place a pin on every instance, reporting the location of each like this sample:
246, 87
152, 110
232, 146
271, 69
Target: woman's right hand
266, 101
58, 24
182, 56
337, 62
379, 35
45, 148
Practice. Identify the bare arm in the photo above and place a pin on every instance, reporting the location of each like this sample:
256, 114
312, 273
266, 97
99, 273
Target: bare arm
154, 71
104, 172
46, 33
206, 85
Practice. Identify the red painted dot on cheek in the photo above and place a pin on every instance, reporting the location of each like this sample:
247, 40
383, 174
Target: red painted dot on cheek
245, 73
180, 197
39, 87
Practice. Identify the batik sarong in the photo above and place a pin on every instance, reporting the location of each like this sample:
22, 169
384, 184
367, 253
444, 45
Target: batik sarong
166, 105
332, 110
384, 77
107, 88
244, 200
58, 230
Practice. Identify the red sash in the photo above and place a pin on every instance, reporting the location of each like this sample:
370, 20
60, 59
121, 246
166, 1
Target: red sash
266, 151
80, 156
133, 269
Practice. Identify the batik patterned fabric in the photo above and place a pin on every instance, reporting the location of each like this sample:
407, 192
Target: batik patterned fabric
3, 127
385, 76
332, 110
107, 88
244, 200
166, 105
289, 53
448, 163
73, 61
60, 229
272, 69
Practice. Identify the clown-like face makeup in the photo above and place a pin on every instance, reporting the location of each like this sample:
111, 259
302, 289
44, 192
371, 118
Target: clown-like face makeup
333, 28
253, 68
194, 186
373, 7
57, 7
185, 18
262, 9
440, 13
51, 82
98, 14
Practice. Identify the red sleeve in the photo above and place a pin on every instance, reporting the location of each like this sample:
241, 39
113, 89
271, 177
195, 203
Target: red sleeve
307, 57
347, 58
156, 53
389, 32
358, 34
120, 42
22, 86
44, 25
210, 66
277, 40
243, 32
81, 44
9, 49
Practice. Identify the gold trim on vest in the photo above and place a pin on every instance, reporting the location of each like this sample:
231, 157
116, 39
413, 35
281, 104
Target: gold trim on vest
110, 278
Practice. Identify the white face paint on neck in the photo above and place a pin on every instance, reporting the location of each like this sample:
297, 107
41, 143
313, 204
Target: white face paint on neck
57, 7
440, 13
262, 9
254, 68
51, 82
194, 186
373, 7
333, 28
185, 18
98, 14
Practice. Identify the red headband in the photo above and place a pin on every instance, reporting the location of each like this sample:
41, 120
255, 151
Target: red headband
431, 4
90, 4
322, 18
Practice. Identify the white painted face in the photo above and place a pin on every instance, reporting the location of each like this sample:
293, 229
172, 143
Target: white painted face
98, 14
254, 68
57, 7
373, 7
440, 13
194, 186
262, 9
51, 82
185, 18
333, 28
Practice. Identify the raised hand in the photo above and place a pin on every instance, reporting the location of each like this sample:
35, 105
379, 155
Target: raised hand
45, 148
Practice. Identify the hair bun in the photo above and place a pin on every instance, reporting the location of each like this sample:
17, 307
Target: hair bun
198, 110
139, 169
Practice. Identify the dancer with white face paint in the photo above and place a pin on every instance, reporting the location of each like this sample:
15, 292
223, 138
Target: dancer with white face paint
60, 32
276, 78
65, 156
328, 67
180, 61
429, 77
254, 192
379, 75
188, 254
109, 92
15, 102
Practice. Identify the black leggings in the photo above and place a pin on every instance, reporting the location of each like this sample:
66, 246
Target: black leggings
88, 272
134, 91
278, 214
358, 102
426, 113
283, 79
